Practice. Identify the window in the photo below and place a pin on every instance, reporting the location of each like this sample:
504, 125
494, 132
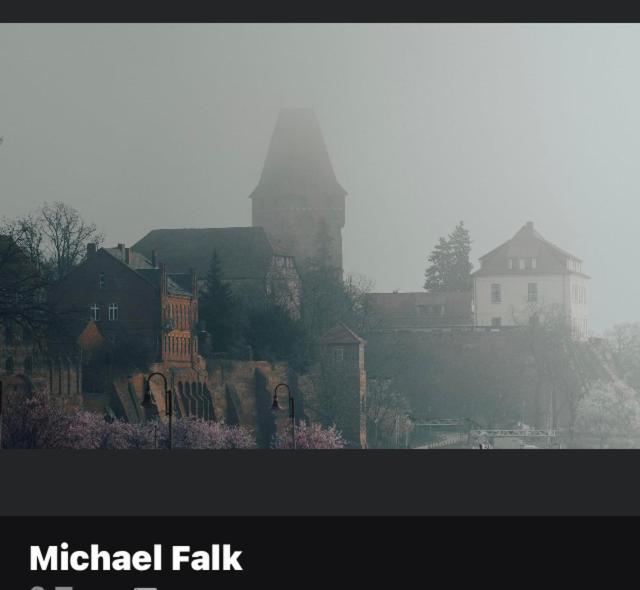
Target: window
28, 365
496, 293
533, 263
532, 294
521, 263
510, 263
101, 281
338, 354
113, 312
94, 312
8, 364
496, 322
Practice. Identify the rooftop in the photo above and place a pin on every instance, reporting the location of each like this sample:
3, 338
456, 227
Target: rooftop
297, 159
244, 252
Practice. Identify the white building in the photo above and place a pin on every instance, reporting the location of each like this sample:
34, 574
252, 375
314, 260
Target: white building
528, 279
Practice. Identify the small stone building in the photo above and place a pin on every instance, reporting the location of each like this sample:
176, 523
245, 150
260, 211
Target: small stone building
343, 377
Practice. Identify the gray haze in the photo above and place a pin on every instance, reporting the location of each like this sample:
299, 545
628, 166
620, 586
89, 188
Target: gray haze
155, 126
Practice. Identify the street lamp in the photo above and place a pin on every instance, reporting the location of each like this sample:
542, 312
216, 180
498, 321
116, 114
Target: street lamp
148, 401
275, 407
151, 408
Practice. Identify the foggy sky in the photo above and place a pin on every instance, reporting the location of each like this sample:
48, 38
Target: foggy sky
155, 126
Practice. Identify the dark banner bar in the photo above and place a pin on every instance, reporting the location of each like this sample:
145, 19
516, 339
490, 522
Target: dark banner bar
255, 483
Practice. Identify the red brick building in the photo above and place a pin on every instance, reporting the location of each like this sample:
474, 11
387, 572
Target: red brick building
132, 298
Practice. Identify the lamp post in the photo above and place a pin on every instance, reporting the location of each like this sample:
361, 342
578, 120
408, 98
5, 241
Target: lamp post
168, 400
275, 407
149, 404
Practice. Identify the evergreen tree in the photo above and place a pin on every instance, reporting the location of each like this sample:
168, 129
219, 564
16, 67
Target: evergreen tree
217, 308
460, 245
449, 267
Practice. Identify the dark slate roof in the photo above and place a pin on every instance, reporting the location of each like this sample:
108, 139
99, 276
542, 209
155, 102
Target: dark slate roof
297, 161
341, 334
153, 276
526, 243
244, 252
136, 260
403, 310
143, 267
182, 279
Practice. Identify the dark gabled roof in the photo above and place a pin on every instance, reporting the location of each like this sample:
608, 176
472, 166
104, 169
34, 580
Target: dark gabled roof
341, 334
526, 243
153, 276
145, 269
244, 252
404, 309
182, 279
136, 260
297, 161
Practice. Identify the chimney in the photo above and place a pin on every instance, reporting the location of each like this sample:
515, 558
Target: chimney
154, 259
91, 249
127, 255
163, 279
121, 248
194, 283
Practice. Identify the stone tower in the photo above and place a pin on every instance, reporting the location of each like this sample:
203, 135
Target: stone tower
298, 200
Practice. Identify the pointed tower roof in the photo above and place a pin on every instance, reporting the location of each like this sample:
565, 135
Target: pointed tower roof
297, 160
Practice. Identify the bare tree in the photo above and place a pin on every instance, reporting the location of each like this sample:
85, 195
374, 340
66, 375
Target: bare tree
35, 250
67, 236
563, 366
388, 410
609, 409
23, 287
